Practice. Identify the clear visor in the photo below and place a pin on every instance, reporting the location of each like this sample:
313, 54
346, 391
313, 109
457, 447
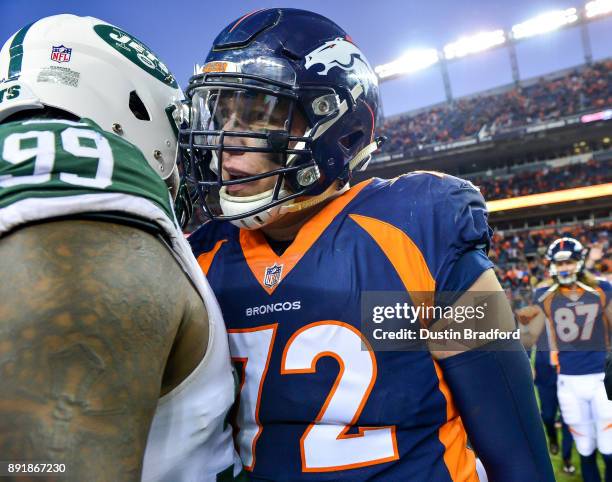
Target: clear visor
237, 110
235, 120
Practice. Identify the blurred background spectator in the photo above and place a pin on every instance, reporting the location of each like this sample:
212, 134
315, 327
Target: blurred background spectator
520, 256
544, 180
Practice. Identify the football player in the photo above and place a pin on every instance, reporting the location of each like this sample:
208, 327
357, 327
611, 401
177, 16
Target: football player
109, 335
282, 113
576, 307
545, 380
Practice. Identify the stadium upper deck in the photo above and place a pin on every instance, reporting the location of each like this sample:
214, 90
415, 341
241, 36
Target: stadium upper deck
550, 102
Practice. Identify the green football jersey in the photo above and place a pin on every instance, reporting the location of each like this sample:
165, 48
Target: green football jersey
57, 167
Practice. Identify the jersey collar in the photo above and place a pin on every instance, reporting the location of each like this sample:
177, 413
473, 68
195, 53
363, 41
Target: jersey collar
267, 267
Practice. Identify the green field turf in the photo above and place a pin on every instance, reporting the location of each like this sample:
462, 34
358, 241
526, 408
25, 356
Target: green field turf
560, 476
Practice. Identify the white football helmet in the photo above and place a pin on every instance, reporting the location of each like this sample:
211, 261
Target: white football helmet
94, 70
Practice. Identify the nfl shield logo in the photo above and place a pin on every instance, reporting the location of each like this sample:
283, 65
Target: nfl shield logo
60, 54
273, 275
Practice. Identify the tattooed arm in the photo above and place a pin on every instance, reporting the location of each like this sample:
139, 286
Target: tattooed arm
88, 315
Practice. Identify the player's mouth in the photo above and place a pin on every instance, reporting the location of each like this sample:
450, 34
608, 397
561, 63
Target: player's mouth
233, 174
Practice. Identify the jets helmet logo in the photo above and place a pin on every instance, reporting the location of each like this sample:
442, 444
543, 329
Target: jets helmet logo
336, 53
136, 52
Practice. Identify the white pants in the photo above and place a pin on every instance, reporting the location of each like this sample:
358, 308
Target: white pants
480, 470
587, 411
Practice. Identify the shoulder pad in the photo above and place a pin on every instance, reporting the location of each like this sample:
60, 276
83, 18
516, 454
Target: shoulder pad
206, 236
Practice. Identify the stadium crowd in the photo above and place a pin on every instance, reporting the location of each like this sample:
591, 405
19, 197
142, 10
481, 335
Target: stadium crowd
580, 90
544, 180
520, 256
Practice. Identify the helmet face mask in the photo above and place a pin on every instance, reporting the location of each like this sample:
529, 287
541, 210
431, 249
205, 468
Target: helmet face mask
566, 272
238, 115
267, 99
229, 118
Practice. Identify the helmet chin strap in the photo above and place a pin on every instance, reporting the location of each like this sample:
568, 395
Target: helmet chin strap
331, 192
362, 158
235, 205
567, 280
359, 162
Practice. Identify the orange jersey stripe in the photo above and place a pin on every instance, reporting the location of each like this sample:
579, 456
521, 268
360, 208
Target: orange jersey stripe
206, 259
460, 461
411, 267
404, 256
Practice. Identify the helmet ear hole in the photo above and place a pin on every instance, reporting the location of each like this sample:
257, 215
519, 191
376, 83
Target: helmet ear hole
350, 141
137, 107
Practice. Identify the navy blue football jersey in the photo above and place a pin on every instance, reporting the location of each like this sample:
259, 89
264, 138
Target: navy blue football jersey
577, 329
316, 402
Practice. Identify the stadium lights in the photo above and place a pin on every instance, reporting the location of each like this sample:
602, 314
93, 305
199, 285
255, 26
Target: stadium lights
597, 8
474, 43
547, 22
415, 60
411, 61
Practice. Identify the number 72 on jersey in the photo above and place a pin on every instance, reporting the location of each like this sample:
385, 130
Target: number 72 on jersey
324, 445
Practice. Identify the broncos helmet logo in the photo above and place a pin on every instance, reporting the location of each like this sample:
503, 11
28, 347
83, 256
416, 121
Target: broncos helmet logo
337, 53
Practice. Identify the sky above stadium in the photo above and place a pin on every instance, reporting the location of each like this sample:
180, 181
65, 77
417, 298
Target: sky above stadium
181, 33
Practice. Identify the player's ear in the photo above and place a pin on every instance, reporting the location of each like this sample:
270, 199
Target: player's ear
299, 123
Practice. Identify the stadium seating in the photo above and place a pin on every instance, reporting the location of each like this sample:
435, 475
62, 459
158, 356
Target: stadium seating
580, 90
545, 179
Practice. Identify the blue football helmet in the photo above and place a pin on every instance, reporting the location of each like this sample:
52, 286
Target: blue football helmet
566, 249
266, 70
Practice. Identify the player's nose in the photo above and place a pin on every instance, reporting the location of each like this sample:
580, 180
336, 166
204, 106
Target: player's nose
233, 147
